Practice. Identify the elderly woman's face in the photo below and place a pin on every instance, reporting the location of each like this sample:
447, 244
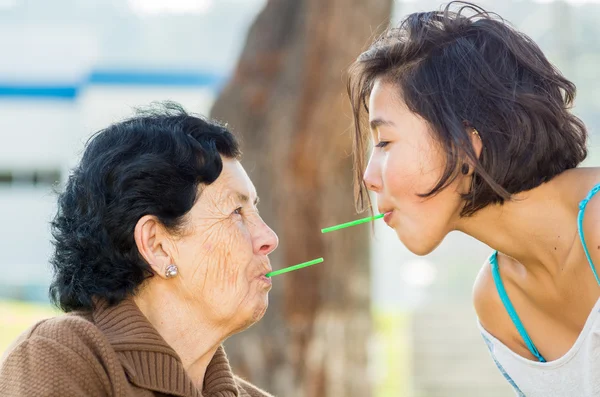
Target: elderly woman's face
222, 254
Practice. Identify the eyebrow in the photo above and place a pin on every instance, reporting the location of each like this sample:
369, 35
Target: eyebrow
245, 199
376, 123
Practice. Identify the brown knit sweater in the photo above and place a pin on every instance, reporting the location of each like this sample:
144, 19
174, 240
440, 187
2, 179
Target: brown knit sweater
112, 351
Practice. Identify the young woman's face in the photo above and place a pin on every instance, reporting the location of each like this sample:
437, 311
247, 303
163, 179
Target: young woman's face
406, 161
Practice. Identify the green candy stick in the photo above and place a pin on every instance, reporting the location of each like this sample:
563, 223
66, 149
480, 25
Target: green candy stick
353, 223
326, 230
295, 267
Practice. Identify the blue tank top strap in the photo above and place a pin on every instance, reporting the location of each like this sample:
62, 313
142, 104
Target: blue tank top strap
582, 207
510, 308
502, 291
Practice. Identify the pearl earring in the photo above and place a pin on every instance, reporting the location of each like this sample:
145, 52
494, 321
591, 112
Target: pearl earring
171, 271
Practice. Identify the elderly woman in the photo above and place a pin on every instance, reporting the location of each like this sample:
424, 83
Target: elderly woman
160, 255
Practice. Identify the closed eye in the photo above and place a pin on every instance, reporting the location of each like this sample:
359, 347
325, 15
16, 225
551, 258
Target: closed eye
382, 144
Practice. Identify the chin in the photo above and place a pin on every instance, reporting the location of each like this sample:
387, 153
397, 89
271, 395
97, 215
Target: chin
260, 310
256, 315
419, 246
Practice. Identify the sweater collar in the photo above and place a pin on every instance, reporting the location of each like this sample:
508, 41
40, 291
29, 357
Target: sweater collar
150, 362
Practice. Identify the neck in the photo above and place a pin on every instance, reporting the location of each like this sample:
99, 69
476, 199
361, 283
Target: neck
193, 338
537, 228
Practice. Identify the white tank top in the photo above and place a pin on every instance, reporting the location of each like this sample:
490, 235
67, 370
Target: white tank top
577, 373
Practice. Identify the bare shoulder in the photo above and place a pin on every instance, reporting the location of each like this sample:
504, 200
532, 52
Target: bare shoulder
591, 228
492, 314
485, 297
490, 310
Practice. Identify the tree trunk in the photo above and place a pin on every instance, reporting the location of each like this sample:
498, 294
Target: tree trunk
287, 102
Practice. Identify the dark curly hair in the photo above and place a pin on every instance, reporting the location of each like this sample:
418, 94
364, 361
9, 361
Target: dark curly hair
469, 68
152, 163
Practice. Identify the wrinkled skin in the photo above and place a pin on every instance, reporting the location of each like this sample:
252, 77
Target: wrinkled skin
221, 254
224, 252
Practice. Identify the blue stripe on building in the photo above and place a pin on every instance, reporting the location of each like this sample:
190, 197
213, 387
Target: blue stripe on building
38, 91
108, 77
150, 78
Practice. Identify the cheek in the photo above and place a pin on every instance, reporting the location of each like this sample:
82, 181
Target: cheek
410, 170
402, 172
241, 241
229, 255
213, 255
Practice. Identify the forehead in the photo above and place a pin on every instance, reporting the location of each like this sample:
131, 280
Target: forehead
385, 101
233, 180
387, 109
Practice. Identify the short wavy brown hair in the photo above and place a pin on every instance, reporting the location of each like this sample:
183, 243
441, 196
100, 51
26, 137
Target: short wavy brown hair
470, 68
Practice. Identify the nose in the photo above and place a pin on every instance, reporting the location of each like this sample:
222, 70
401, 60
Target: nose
372, 176
265, 240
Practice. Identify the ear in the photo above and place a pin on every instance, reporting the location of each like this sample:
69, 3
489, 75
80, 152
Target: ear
153, 244
468, 167
476, 141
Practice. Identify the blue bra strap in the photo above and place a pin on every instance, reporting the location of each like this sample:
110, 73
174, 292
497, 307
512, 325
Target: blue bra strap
582, 206
510, 308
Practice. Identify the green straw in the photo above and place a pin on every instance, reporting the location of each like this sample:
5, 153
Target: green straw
353, 223
295, 267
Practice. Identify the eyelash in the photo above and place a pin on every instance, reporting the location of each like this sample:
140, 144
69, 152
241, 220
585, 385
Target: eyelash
382, 144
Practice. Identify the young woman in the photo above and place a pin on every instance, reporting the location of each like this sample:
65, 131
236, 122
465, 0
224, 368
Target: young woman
471, 130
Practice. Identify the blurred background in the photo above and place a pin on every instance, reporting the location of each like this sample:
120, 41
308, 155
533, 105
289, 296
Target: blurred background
373, 320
